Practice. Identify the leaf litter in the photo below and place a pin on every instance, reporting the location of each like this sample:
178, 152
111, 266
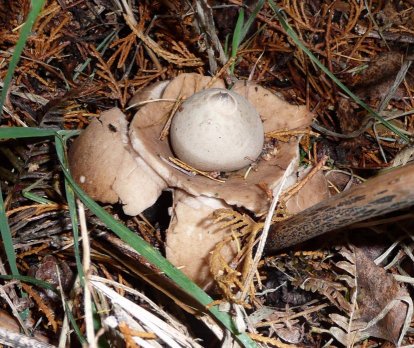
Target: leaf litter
80, 69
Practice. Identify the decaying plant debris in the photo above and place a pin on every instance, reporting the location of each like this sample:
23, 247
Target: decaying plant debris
87, 57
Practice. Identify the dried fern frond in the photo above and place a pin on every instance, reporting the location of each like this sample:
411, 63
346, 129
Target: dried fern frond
230, 278
238, 223
330, 290
48, 312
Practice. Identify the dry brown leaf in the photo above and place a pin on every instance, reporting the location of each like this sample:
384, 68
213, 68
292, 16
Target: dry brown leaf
377, 288
314, 191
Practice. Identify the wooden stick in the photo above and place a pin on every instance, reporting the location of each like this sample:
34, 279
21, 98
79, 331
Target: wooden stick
383, 194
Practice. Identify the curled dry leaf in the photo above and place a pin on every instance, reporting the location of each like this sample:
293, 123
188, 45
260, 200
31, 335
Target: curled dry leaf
55, 272
306, 196
113, 164
379, 305
376, 289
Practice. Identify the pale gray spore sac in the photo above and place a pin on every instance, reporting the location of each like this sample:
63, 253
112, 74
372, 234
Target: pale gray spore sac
217, 130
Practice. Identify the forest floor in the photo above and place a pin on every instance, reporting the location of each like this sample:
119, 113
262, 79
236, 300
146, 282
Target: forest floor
84, 57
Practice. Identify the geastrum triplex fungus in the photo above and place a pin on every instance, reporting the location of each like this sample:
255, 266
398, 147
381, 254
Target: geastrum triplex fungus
213, 130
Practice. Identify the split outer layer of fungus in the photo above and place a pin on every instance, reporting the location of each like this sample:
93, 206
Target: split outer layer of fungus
114, 161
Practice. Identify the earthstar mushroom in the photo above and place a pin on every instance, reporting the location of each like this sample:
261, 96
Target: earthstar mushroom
196, 197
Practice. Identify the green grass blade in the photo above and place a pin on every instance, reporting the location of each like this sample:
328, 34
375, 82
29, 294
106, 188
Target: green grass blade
7, 237
251, 19
289, 30
226, 45
31, 280
75, 326
101, 49
237, 35
237, 38
241, 29
70, 197
148, 252
24, 34
26, 193
36, 198
28, 132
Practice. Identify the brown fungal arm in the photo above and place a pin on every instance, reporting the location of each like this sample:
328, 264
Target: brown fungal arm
386, 193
